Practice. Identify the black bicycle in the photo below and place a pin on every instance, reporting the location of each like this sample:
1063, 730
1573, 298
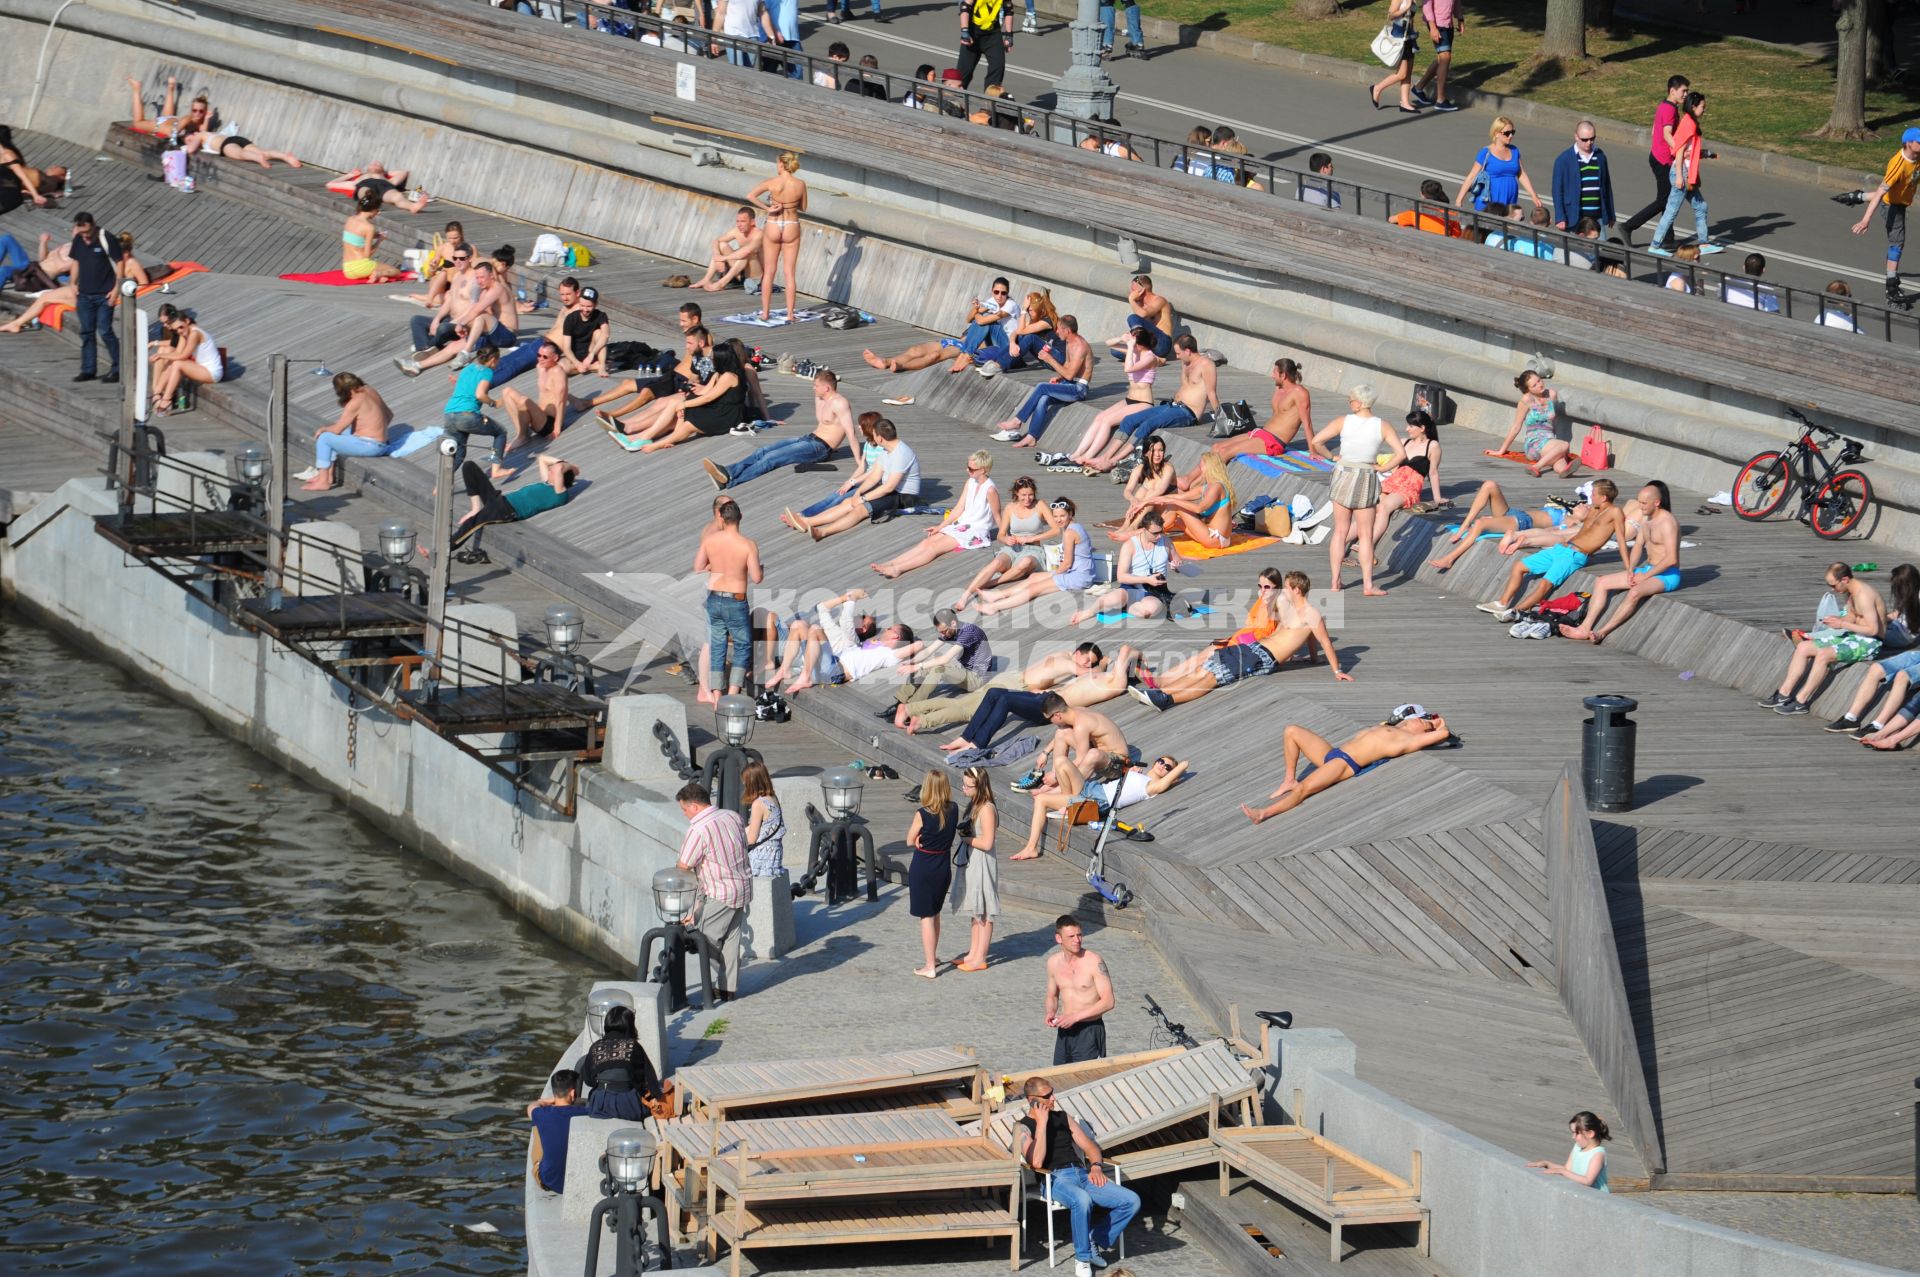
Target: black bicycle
1175, 1033
1833, 497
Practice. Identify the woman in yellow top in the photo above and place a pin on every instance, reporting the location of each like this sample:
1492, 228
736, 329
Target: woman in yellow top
357, 241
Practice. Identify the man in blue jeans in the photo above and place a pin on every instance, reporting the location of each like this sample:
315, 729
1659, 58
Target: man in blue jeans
1196, 397
96, 269
833, 428
731, 560
1051, 1143
1073, 368
1136, 42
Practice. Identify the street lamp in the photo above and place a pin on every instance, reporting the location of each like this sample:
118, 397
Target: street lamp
397, 542
601, 1001
563, 663
676, 893
624, 1200
397, 575
564, 628
1085, 91
733, 719
250, 494
838, 843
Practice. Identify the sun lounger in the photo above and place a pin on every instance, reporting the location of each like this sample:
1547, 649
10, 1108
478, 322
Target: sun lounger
1321, 1178
727, 1090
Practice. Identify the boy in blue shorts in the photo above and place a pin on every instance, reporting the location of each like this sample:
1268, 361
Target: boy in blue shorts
1555, 564
1658, 546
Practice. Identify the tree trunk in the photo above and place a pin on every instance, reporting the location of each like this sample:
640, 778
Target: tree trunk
1566, 37
1849, 117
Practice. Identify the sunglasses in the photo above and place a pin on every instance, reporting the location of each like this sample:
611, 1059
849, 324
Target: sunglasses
1506, 132
1059, 505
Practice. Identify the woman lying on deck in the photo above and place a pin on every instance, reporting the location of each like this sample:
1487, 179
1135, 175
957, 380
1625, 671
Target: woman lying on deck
234, 147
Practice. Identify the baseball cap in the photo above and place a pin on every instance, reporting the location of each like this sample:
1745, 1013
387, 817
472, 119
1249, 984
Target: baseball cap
590, 294
1401, 713
950, 76
1911, 135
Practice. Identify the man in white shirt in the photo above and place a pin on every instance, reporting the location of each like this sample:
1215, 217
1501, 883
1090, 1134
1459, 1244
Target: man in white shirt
988, 323
846, 641
887, 489
1320, 192
1749, 292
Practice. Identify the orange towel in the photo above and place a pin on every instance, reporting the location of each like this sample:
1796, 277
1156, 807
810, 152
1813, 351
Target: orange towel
1242, 542
55, 315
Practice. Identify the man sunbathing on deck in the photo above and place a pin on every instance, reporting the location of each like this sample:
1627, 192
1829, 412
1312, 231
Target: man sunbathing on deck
1409, 729
1490, 512
1555, 564
1248, 652
1659, 574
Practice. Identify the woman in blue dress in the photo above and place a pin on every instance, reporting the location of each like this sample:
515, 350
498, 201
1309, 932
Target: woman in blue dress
1499, 162
930, 874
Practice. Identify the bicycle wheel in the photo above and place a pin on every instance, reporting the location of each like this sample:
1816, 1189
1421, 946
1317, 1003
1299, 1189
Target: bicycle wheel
1841, 503
1762, 486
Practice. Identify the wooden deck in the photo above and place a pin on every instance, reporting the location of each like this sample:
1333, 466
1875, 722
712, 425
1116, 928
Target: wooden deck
1400, 906
338, 616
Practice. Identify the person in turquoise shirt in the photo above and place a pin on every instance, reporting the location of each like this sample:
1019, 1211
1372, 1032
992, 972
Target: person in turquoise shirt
555, 486
1587, 1163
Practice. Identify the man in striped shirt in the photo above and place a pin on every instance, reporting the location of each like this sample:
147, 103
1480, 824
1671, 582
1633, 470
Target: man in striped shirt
715, 850
1582, 186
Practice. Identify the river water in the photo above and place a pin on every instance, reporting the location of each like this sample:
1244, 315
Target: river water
242, 1030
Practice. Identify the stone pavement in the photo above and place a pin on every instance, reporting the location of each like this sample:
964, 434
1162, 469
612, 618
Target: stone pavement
1880, 1228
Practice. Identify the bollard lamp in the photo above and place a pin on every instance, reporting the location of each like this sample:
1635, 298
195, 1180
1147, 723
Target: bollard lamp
601, 1001
842, 786
733, 719
397, 542
564, 628
253, 463
629, 1154
675, 893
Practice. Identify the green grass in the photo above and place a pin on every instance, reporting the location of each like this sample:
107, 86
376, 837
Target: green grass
1627, 76
715, 1029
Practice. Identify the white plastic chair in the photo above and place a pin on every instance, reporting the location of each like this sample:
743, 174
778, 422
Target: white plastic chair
1038, 1187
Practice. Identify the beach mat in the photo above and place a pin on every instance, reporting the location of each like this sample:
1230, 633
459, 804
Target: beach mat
56, 313
751, 318
338, 279
1242, 542
1291, 463
1518, 458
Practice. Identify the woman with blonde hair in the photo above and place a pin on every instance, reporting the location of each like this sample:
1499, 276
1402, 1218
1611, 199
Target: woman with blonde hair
1356, 479
766, 824
969, 525
976, 884
785, 198
930, 835
1499, 162
1203, 513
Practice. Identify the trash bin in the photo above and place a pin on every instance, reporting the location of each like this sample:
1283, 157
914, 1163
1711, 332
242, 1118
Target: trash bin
1606, 753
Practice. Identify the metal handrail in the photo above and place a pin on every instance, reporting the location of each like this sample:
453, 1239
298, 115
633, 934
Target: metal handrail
1867, 317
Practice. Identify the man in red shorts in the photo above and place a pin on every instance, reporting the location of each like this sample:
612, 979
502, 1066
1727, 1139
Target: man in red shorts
1292, 408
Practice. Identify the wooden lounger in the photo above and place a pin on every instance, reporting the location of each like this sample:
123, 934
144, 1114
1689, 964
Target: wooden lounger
1322, 1178
896, 1220
725, 1090
1149, 1097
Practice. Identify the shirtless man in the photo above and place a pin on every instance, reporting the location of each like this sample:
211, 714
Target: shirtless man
983, 320
665, 375
364, 415
1490, 512
730, 559
1134, 784
1556, 563
1072, 375
1409, 730
1151, 312
658, 415
1196, 397
546, 414
997, 702
1225, 663
1084, 738
1835, 641
1660, 574
1292, 407
1079, 993
832, 429
489, 317
452, 288
1056, 671
734, 254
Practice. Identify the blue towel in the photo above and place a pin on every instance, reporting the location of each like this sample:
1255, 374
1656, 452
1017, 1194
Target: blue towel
1291, 463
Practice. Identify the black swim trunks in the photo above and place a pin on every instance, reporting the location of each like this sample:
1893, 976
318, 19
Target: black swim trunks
1084, 1041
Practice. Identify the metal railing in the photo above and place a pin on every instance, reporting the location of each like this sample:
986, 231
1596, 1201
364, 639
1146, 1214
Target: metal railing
1568, 251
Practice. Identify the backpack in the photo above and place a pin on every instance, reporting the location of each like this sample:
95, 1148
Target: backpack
841, 318
625, 356
578, 258
1568, 609
1433, 400
1234, 418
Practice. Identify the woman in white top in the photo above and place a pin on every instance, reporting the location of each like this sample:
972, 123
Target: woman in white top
976, 881
1141, 579
194, 357
968, 526
1587, 1163
1356, 480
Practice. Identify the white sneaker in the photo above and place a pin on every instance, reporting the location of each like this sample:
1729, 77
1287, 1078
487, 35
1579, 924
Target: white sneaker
1007, 436
1081, 1268
407, 367
1030, 25
1491, 607
309, 473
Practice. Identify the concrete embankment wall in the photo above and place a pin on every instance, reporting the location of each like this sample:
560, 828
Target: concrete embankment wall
586, 881
907, 251
1493, 1217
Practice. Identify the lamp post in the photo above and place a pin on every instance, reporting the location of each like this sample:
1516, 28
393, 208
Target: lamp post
1085, 91
624, 1203
733, 719
601, 1001
839, 840
396, 573
676, 893
563, 663
249, 495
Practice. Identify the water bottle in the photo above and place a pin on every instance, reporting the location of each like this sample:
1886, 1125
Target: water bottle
520, 294
540, 296
1866, 567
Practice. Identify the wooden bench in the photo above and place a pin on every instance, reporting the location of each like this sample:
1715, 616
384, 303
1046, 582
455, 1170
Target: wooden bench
722, 1090
1322, 1178
933, 1188
1149, 1097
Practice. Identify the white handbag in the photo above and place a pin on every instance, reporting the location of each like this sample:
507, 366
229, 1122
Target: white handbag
1391, 42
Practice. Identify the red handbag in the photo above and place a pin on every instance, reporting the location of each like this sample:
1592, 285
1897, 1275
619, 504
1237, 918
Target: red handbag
1593, 449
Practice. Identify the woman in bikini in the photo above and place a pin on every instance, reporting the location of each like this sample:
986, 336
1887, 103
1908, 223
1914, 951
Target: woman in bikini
166, 122
785, 198
968, 526
1401, 489
1204, 513
1077, 575
194, 356
1153, 477
18, 182
359, 238
1533, 420
234, 147
1142, 366
1024, 528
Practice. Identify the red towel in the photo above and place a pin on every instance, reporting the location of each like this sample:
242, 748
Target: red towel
338, 279
55, 315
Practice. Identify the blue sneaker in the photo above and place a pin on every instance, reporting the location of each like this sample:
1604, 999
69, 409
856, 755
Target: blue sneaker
1029, 781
